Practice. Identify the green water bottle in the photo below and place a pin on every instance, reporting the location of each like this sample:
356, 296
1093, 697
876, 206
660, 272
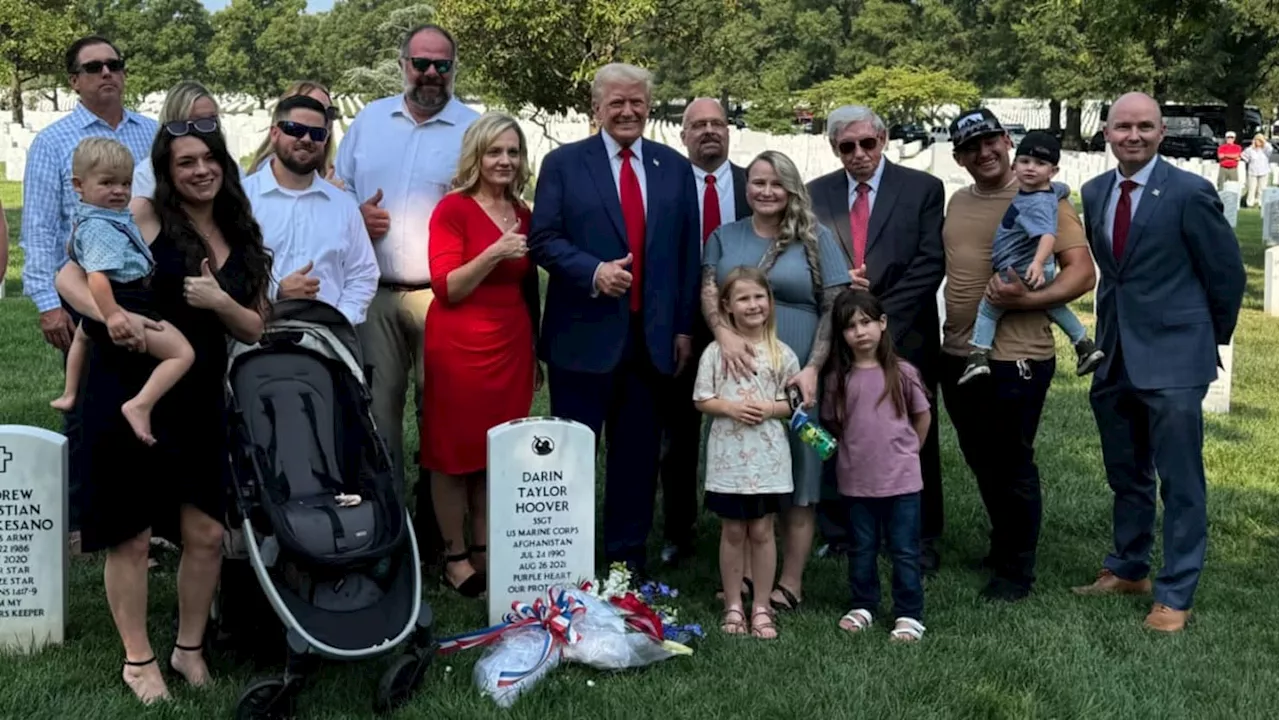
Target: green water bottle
809, 431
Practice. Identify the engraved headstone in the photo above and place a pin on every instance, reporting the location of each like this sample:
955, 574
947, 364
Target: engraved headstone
33, 537
1271, 216
1271, 281
542, 490
1230, 197
1218, 398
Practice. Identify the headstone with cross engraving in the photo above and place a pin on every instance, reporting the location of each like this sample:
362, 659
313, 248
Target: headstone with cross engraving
33, 537
542, 509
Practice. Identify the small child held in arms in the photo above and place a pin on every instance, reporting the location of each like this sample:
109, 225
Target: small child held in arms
878, 409
108, 245
748, 452
1024, 242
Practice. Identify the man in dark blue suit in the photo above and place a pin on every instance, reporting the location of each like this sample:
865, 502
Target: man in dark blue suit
615, 223
1171, 287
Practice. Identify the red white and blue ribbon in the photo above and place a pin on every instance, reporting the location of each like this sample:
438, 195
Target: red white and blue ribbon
555, 614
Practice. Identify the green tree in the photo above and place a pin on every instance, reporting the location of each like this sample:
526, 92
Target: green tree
260, 46
898, 95
378, 74
34, 34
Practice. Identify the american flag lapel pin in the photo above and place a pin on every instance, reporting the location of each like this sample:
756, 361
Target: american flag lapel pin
655, 162
1155, 193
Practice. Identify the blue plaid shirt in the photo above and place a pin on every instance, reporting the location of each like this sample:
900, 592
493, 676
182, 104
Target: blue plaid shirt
48, 201
109, 242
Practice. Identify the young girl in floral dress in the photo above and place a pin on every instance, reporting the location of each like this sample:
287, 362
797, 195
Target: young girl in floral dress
748, 455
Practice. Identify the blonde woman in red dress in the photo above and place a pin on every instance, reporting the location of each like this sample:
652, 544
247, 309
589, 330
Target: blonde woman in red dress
478, 352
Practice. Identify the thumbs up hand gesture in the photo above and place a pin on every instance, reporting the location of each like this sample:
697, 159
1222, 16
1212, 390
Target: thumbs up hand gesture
512, 245
376, 220
300, 284
614, 278
203, 290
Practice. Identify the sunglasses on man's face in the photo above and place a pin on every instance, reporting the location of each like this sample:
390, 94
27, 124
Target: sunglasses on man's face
94, 67
848, 146
178, 128
422, 64
298, 130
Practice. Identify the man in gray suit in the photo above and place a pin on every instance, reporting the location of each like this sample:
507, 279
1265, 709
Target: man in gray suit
889, 221
1172, 283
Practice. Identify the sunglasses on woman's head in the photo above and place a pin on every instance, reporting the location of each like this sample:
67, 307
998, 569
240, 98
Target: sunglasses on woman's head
421, 64
94, 67
298, 130
178, 128
848, 146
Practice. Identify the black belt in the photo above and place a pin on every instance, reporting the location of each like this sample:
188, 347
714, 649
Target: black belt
405, 287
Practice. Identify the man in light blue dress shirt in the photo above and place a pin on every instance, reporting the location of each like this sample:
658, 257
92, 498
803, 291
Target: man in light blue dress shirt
96, 72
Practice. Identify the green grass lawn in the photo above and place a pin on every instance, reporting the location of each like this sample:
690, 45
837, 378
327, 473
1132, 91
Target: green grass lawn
1051, 656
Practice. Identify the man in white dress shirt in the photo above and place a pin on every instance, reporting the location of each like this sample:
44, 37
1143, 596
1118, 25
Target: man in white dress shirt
314, 230
398, 159
722, 198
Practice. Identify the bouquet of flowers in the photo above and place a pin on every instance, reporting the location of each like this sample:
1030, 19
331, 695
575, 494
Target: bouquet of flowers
616, 589
609, 630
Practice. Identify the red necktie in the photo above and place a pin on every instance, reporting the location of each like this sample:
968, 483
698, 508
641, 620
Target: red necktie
710, 208
1124, 215
633, 219
858, 217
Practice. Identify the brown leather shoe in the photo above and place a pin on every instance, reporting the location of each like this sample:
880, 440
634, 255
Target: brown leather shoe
1165, 619
1108, 583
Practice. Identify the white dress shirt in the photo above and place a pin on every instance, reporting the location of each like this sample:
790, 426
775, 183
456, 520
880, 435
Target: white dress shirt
637, 163
321, 225
413, 164
724, 189
874, 183
1142, 177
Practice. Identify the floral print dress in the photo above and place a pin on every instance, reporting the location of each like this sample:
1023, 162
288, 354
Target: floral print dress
747, 459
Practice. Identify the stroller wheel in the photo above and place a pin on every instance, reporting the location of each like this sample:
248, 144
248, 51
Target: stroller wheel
270, 699
399, 682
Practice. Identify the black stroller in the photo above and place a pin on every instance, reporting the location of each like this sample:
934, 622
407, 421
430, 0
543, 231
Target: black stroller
316, 514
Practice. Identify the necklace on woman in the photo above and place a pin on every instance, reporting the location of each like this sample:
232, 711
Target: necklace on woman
497, 211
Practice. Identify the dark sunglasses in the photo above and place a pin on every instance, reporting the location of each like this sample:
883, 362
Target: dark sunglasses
422, 64
848, 146
298, 130
94, 67
178, 128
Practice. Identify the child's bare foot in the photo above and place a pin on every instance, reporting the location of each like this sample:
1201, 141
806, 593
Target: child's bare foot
64, 403
733, 622
764, 629
139, 417
144, 679
189, 663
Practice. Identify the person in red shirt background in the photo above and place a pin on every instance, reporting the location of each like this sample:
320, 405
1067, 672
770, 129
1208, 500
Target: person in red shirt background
1229, 160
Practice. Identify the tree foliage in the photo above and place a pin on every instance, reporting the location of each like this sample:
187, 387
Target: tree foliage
898, 94
34, 35
164, 41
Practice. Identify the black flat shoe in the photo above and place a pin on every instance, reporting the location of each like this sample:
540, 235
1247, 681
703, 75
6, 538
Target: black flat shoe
475, 584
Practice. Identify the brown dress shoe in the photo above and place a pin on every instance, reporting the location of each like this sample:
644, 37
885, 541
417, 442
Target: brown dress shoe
1165, 619
1108, 583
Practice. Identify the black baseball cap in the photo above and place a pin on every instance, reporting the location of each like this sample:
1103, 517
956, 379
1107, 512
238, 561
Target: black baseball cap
1041, 146
974, 124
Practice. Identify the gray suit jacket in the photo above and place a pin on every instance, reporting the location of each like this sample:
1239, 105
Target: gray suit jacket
1175, 293
904, 256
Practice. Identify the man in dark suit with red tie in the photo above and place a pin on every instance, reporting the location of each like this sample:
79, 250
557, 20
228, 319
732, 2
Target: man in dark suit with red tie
615, 224
722, 198
889, 221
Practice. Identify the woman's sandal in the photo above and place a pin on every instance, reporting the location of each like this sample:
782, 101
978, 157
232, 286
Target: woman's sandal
164, 695
748, 589
472, 587
855, 621
477, 550
906, 630
729, 626
190, 649
792, 602
766, 630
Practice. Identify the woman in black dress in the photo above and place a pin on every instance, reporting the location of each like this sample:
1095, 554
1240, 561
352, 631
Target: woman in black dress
210, 281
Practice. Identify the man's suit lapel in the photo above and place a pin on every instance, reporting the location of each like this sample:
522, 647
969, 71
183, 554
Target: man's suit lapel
837, 192
886, 196
1099, 196
653, 187
1152, 194
602, 177
740, 207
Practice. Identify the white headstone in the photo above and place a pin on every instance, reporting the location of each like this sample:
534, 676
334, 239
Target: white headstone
1271, 216
1230, 197
542, 509
33, 537
1218, 399
1271, 281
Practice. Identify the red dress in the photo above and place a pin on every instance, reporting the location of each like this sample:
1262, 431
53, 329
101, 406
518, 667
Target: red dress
478, 353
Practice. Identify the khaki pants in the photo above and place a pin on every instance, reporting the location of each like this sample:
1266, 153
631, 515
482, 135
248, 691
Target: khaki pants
1226, 175
1253, 189
391, 337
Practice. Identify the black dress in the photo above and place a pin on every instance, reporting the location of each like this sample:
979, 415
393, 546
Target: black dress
129, 487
